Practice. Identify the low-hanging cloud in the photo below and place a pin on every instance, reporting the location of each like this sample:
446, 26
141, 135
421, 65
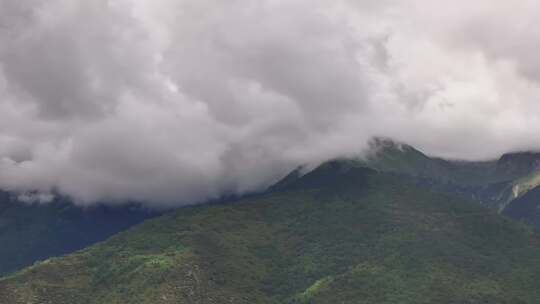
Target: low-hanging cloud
172, 102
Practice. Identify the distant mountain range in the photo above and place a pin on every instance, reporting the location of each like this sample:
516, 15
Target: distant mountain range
395, 227
32, 232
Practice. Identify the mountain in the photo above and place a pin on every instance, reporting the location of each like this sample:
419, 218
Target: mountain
32, 232
503, 184
389, 156
526, 208
493, 183
519, 163
342, 233
509, 184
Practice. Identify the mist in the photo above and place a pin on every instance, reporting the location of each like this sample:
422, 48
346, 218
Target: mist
177, 102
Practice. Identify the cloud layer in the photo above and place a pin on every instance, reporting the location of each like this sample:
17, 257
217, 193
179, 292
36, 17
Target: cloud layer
174, 101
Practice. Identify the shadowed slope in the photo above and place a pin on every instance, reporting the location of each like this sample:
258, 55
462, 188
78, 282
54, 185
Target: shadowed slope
32, 232
526, 208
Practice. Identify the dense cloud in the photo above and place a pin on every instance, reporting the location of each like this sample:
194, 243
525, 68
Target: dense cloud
173, 102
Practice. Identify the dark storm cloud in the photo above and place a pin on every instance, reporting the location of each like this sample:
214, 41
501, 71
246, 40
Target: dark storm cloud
174, 102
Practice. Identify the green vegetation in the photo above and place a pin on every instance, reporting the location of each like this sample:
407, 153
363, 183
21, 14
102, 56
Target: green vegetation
340, 234
389, 156
494, 184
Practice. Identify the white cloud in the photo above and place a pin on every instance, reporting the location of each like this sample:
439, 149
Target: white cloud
173, 102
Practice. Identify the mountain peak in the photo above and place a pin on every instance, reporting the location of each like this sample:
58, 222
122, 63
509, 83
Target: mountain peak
382, 144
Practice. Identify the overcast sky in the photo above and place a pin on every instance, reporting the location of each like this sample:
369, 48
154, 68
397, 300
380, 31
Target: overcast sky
174, 102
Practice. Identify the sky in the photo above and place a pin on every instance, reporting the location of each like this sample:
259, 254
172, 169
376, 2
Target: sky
173, 102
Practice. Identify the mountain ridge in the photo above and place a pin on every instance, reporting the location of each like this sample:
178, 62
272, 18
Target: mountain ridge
339, 234
485, 182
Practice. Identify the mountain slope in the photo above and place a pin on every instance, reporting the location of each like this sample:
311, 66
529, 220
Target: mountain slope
503, 185
519, 163
32, 232
493, 183
340, 234
389, 156
526, 208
